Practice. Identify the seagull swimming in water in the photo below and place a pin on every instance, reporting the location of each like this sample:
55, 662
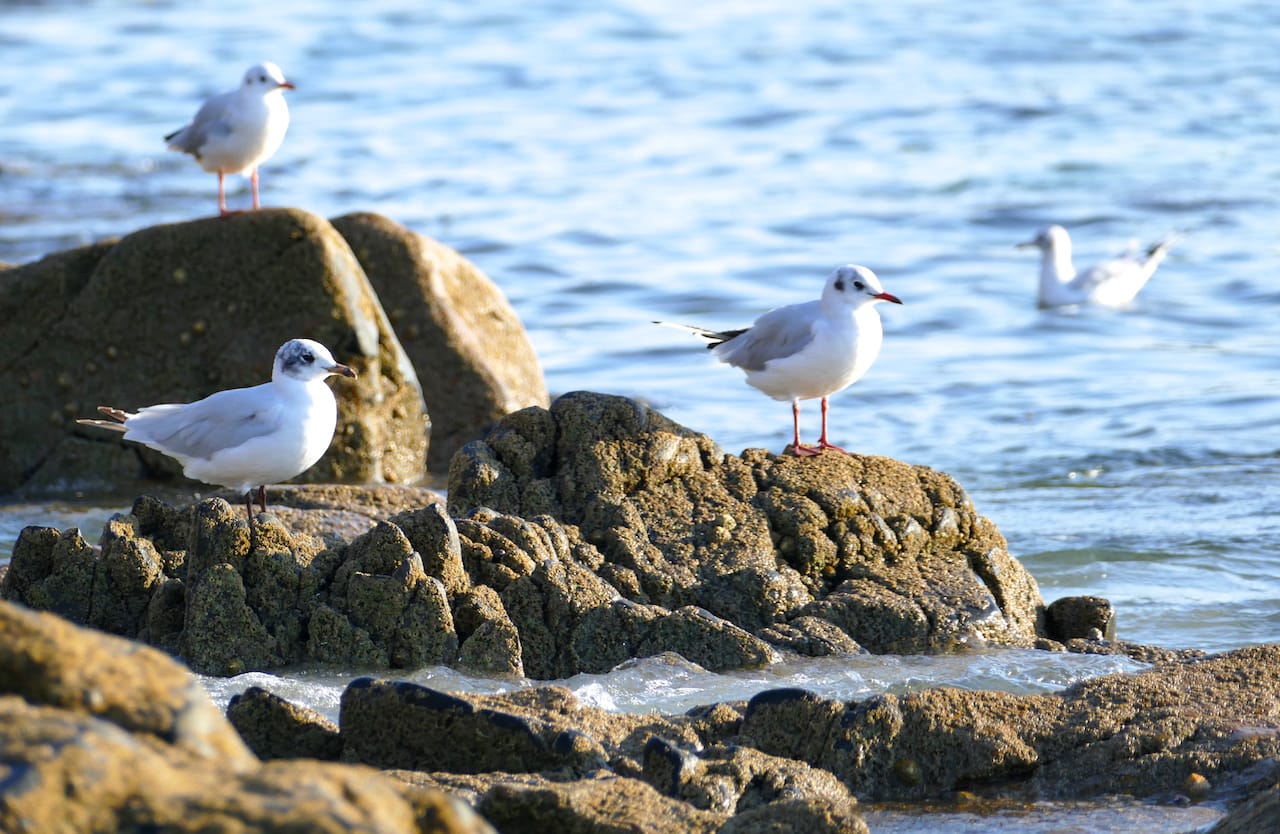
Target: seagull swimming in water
246, 437
1112, 283
237, 131
811, 350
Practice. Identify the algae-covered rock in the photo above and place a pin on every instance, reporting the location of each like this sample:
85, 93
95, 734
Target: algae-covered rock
893, 555
277, 729
100, 734
606, 804
403, 725
472, 355
175, 312
1143, 734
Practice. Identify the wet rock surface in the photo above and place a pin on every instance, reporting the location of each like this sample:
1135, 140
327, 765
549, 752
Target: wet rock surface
894, 555
471, 353
574, 539
100, 734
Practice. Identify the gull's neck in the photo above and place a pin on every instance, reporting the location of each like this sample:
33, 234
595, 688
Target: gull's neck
1056, 269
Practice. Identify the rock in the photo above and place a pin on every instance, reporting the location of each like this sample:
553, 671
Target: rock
48, 661
472, 355
383, 589
606, 805
176, 312
700, 636
812, 637
733, 779
490, 641
1080, 617
100, 734
893, 555
1261, 813
276, 729
797, 816
1141, 734
403, 725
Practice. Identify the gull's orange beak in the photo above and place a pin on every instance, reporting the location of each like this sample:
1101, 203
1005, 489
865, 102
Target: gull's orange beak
342, 370
887, 296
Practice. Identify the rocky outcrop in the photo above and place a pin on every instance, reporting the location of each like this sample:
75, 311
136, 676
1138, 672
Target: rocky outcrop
1145, 734
173, 313
580, 537
473, 358
893, 555
100, 734
1187, 731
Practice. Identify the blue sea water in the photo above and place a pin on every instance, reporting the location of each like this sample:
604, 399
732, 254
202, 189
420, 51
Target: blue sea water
609, 163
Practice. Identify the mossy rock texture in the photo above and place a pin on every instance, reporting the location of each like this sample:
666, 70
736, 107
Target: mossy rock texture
176, 312
472, 355
894, 555
101, 734
575, 539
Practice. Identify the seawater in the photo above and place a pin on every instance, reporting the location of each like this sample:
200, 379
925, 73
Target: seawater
615, 162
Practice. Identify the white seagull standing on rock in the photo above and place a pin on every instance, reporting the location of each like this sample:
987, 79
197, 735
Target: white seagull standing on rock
1112, 283
237, 131
246, 437
811, 350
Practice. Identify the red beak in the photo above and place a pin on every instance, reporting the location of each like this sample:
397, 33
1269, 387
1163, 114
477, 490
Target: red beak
288, 85
888, 296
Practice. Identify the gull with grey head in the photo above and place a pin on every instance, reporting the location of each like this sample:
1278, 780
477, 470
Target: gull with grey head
246, 437
810, 350
236, 131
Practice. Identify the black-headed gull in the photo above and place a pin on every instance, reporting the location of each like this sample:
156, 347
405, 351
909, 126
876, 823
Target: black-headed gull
246, 437
237, 131
811, 350
1112, 283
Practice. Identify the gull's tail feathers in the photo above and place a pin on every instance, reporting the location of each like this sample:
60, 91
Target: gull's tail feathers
1161, 247
714, 338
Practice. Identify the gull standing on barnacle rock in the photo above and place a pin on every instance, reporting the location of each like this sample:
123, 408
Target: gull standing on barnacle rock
1112, 283
237, 131
811, 350
246, 437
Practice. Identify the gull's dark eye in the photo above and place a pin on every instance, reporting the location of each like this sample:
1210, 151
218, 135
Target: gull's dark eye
262, 78
308, 358
858, 285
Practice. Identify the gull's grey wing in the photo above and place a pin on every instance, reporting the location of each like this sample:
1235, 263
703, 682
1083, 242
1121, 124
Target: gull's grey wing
212, 121
200, 429
1119, 269
775, 335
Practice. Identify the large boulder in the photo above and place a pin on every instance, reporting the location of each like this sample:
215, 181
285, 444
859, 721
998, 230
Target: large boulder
577, 538
473, 357
100, 734
1192, 728
895, 556
173, 313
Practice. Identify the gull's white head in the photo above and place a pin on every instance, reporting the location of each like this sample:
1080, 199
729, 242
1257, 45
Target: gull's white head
265, 78
304, 361
855, 286
1050, 239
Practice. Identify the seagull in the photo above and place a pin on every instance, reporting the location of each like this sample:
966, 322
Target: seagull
237, 131
811, 350
1112, 283
246, 437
